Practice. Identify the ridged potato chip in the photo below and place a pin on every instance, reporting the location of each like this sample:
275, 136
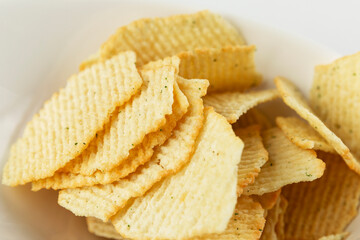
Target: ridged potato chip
137, 156
156, 38
70, 119
325, 206
253, 157
294, 99
287, 164
274, 226
144, 114
230, 68
247, 222
253, 117
302, 134
167, 159
232, 105
176, 208
335, 98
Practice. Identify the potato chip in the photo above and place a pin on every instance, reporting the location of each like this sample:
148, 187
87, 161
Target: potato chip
70, 119
177, 150
138, 155
340, 236
253, 157
227, 69
102, 229
232, 105
274, 226
302, 134
251, 117
325, 206
178, 208
146, 113
247, 222
268, 200
335, 98
294, 99
157, 38
287, 164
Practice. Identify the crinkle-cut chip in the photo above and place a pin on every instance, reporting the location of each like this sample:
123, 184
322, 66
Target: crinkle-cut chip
247, 222
157, 38
302, 134
253, 157
138, 155
268, 200
335, 98
102, 229
230, 68
294, 99
274, 226
232, 105
340, 236
325, 206
177, 208
176, 150
70, 119
146, 113
251, 117
287, 164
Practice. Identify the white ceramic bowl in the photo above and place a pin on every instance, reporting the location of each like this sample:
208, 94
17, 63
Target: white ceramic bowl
43, 44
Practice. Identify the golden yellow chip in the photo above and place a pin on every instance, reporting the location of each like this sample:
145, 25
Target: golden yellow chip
157, 38
232, 105
302, 134
146, 113
227, 69
340, 236
184, 205
104, 201
253, 117
294, 99
287, 164
268, 200
70, 119
247, 222
254, 156
335, 98
137, 156
274, 226
325, 206
102, 229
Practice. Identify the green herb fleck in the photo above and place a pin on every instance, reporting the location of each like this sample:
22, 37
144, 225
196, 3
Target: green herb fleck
194, 22
337, 125
84, 143
273, 136
260, 230
318, 87
132, 144
236, 214
271, 164
354, 74
165, 86
319, 95
172, 197
214, 59
67, 128
128, 226
166, 78
76, 144
199, 88
96, 135
160, 129
308, 175
350, 131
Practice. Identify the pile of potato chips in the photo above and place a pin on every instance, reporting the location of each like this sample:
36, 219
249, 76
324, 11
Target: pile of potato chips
140, 141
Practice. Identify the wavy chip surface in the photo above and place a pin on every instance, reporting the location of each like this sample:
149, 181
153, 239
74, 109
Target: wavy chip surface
129, 125
253, 157
287, 164
336, 195
231, 68
104, 201
68, 121
232, 105
335, 98
156, 38
302, 134
137, 156
253, 117
176, 208
268, 200
102, 229
294, 99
